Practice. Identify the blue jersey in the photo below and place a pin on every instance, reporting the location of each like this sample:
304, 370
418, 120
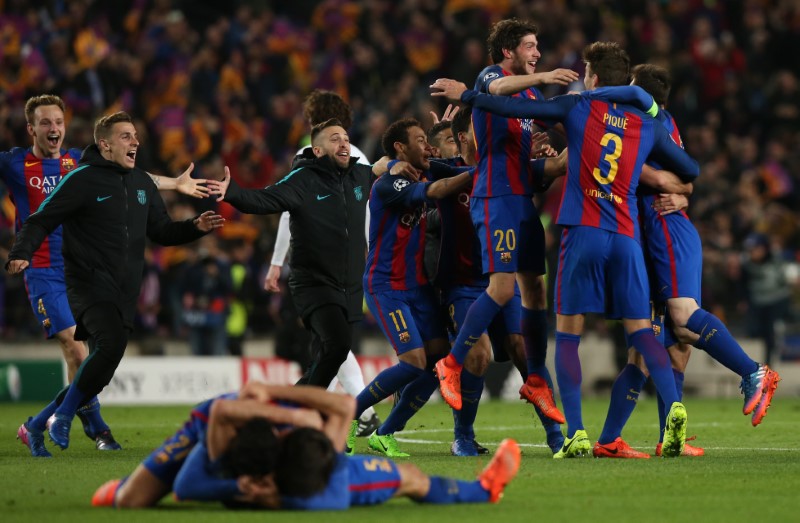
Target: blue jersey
504, 144
30, 180
608, 144
396, 235
460, 249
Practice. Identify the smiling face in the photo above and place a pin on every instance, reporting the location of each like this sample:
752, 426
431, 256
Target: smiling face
523, 58
121, 145
334, 142
48, 130
417, 151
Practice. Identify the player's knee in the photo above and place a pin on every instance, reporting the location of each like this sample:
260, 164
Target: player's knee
681, 309
478, 359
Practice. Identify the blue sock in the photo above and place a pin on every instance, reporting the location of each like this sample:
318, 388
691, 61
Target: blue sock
39, 421
717, 341
384, 384
415, 395
534, 333
624, 395
91, 412
568, 374
657, 360
479, 316
72, 400
445, 491
471, 390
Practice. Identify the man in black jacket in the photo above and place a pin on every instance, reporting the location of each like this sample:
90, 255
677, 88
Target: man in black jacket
107, 208
326, 195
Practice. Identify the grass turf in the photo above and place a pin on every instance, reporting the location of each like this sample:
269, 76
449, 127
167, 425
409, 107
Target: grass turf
747, 474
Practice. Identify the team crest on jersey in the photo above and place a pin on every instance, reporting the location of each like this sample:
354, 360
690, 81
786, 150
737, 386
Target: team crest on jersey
489, 76
400, 184
505, 257
657, 329
67, 164
141, 196
405, 337
359, 193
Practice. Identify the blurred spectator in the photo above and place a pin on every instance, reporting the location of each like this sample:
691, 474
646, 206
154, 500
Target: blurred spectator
207, 292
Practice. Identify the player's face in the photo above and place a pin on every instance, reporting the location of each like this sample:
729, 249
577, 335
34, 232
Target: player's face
418, 151
446, 147
48, 129
122, 145
525, 56
468, 147
334, 142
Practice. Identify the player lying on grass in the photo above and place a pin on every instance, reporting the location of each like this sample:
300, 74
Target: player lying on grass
237, 463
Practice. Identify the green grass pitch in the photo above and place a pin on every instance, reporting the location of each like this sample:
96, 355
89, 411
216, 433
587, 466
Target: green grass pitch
747, 474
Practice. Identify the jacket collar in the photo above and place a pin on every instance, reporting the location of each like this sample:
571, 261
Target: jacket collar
91, 155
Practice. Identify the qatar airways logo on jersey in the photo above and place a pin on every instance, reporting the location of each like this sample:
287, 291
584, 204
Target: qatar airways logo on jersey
46, 184
611, 197
411, 219
463, 199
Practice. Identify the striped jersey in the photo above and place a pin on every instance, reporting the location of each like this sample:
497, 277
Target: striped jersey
504, 144
30, 180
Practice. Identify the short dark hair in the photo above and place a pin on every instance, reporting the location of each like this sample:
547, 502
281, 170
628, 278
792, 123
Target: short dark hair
460, 124
609, 62
507, 34
435, 131
323, 105
305, 463
38, 101
654, 79
332, 122
397, 132
102, 127
253, 451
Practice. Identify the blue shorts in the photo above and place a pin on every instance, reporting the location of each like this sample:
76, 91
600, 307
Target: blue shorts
459, 299
510, 232
372, 480
47, 292
675, 257
408, 319
602, 272
166, 461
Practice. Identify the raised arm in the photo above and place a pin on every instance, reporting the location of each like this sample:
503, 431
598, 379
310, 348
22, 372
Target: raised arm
513, 84
184, 183
626, 94
285, 195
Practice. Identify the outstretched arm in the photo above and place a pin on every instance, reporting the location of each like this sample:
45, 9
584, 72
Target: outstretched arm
513, 84
184, 183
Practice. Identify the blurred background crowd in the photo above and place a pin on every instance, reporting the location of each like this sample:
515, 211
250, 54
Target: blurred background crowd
222, 83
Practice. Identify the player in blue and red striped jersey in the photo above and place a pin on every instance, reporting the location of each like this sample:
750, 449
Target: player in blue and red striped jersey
461, 279
396, 289
601, 265
674, 251
504, 216
31, 174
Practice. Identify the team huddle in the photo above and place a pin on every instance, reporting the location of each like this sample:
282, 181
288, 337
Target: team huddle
454, 275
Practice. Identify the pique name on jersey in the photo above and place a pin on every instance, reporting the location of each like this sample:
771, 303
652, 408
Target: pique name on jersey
615, 121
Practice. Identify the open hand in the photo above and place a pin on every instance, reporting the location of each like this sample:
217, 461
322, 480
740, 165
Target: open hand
208, 221
194, 187
448, 115
219, 187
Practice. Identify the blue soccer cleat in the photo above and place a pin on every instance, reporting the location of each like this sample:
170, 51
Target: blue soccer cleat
34, 440
464, 447
59, 430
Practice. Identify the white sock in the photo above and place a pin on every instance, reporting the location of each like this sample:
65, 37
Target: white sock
352, 380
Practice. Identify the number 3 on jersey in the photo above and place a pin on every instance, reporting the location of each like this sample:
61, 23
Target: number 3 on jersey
610, 157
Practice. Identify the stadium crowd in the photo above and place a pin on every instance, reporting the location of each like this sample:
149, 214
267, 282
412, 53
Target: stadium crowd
224, 85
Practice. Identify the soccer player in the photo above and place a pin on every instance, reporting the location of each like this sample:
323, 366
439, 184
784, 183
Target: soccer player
31, 174
461, 280
674, 251
318, 107
397, 291
505, 218
601, 265
231, 464
108, 208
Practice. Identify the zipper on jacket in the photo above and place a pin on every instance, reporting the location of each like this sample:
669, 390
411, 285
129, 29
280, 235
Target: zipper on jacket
346, 233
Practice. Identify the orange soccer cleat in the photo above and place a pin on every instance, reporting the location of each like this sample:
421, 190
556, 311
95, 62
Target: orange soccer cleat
688, 450
449, 373
501, 469
536, 391
618, 449
104, 496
